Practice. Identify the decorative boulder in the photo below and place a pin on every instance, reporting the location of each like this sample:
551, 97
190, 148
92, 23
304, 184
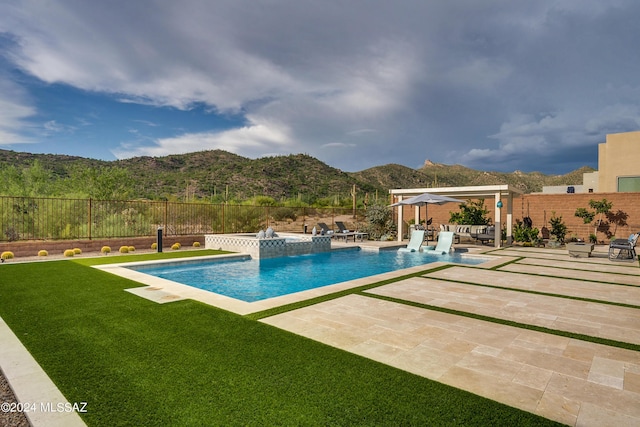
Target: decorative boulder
261, 234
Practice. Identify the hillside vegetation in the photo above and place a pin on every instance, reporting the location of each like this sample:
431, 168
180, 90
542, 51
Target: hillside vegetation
222, 176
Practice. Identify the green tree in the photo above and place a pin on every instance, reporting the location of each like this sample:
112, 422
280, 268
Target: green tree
471, 213
261, 201
103, 183
32, 181
600, 207
558, 227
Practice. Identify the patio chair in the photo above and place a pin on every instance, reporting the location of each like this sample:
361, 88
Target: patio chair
445, 243
417, 237
626, 248
342, 228
324, 229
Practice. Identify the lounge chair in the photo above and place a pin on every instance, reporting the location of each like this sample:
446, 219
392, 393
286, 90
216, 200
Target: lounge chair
445, 243
324, 229
417, 237
626, 248
342, 228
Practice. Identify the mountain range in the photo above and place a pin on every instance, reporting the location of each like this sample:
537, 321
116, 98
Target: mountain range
216, 172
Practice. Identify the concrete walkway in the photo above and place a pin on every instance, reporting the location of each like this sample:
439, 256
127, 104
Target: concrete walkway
571, 381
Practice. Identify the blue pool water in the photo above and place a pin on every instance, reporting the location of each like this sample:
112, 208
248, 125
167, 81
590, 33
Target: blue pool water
254, 280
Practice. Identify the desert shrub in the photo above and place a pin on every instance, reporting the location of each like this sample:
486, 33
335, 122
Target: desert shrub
132, 248
42, 252
379, 221
77, 251
124, 249
244, 218
7, 255
12, 234
154, 246
196, 244
281, 214
176, 246
69, 253
261, 201
105, 250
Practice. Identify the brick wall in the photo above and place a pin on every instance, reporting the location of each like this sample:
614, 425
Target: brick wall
540, 208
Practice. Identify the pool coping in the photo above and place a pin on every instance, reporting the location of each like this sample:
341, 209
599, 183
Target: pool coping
162, 291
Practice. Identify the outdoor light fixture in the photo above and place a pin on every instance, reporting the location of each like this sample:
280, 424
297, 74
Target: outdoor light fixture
499, 204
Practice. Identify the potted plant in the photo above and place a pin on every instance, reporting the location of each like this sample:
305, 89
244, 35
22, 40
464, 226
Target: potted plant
524, 234
558, 230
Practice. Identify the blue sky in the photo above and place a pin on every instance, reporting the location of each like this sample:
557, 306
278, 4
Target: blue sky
494, 85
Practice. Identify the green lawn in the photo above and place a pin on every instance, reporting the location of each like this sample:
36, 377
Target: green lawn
185, 363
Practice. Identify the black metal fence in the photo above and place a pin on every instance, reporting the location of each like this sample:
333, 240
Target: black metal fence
29, 218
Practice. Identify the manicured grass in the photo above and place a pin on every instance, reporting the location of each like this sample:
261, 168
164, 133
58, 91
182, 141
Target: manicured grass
185, 363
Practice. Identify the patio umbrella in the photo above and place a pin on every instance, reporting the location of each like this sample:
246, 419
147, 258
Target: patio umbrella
425, 199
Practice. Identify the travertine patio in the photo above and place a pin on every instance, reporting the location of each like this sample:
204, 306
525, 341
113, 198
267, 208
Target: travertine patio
572, 381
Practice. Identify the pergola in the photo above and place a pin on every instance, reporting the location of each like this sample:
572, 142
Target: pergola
498, 192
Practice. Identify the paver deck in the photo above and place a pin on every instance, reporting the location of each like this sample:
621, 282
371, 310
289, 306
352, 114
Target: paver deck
572, 381
539, 283
564, 314
573, 266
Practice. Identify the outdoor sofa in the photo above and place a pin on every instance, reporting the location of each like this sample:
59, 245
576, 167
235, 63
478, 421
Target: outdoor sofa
466, 231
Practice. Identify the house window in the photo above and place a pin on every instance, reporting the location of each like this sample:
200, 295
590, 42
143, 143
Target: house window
628, 184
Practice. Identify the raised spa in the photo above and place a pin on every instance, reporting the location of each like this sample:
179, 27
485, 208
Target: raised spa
283, 245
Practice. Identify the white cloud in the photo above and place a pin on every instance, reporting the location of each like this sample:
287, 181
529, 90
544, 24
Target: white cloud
337, 145
249, 139
53, 127
15, 112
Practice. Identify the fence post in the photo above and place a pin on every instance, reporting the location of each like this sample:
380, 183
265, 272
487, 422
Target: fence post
90, 209
166, 214
266, 211
333, 217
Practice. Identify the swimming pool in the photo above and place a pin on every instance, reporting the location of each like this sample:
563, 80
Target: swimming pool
254, 280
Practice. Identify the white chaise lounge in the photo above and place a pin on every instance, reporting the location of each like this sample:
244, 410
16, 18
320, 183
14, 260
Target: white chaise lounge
445, 243
417, 237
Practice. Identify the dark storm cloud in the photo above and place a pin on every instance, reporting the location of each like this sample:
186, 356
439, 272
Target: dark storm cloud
497, 85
